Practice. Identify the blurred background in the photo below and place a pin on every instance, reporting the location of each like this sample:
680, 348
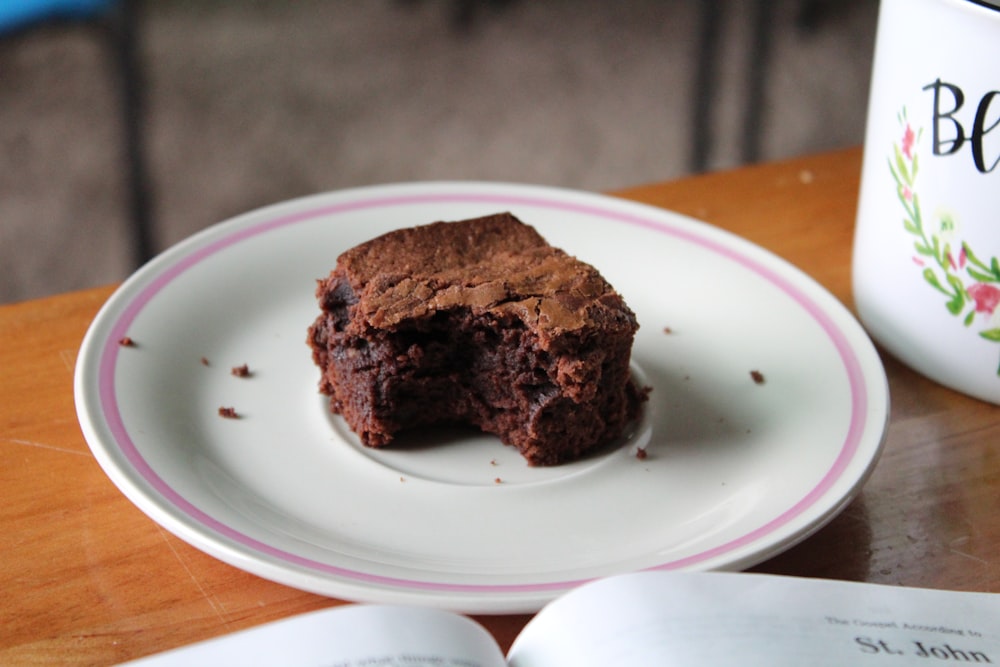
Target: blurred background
228, 105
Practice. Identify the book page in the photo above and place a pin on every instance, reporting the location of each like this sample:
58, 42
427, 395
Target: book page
348, 636
721, 619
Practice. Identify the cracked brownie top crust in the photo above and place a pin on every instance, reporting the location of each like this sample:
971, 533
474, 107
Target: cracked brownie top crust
479, 321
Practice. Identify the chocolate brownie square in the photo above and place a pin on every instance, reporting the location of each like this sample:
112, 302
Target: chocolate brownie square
479, 322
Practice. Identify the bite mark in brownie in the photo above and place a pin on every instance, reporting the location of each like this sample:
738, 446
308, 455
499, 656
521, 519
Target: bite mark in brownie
480, 322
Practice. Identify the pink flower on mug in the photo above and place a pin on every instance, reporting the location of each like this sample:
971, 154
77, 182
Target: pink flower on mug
957, 264
987, 297
909, 138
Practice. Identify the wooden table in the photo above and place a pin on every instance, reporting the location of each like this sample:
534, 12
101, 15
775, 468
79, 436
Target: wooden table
88, 579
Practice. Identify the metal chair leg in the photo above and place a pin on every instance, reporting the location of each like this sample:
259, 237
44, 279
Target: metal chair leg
704, 84
123, 32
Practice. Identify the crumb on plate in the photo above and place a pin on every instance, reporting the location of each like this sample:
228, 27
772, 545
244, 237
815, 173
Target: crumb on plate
241, 371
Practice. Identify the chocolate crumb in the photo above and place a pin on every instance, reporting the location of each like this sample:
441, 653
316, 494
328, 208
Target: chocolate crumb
126, 342
204, 362
241, 371
493, 462
641, 454
228, 413
757, 376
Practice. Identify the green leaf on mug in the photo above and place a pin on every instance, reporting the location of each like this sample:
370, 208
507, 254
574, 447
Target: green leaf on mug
981, 277
956, 283
931, 277
991, 334
901, 168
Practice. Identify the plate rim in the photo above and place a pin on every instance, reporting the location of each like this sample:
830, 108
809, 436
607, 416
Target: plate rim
121, 460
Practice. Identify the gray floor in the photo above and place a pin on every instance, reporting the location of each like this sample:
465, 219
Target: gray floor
250, 103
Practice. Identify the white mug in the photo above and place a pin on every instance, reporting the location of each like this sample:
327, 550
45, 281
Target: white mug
926, 266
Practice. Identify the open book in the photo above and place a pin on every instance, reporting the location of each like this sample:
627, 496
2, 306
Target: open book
648, 618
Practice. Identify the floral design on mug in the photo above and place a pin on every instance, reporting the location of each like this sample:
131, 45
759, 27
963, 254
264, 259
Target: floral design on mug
970, 284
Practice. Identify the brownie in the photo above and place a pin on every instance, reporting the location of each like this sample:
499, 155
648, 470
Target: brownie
479, 322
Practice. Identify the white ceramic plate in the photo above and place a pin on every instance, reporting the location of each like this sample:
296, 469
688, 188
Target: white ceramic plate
736, 471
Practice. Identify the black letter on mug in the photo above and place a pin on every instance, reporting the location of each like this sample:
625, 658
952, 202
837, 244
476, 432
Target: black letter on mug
979, 132
959, 98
